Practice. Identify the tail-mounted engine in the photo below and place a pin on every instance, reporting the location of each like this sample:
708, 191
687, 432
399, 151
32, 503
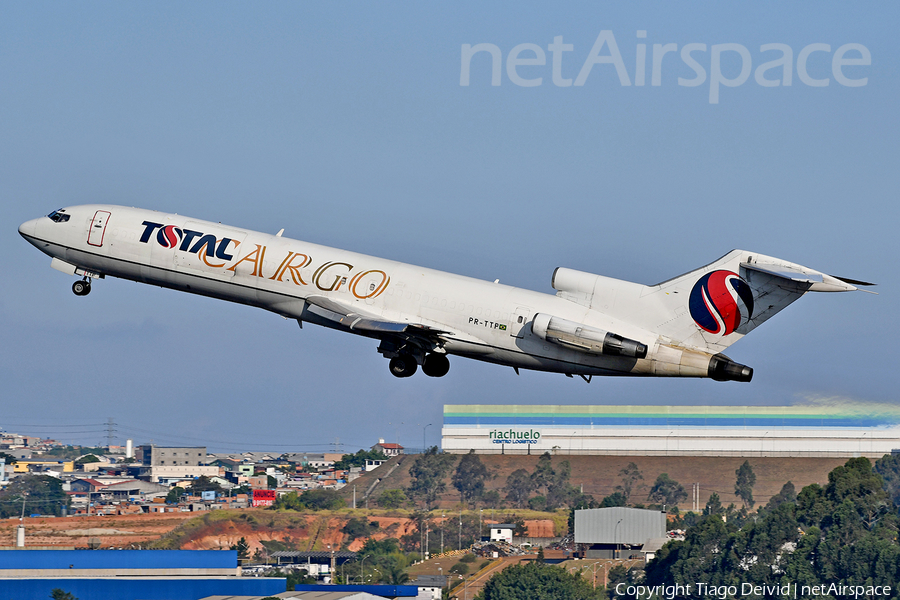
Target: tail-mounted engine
585, 339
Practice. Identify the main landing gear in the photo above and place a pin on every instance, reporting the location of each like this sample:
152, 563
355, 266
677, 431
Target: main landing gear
82, 288
406, 356
434, 365
403, 366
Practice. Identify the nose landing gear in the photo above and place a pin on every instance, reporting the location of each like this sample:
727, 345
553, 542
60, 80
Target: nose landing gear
82, 288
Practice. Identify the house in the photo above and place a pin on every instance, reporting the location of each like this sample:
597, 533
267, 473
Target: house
371, 465
387, 448
502, 532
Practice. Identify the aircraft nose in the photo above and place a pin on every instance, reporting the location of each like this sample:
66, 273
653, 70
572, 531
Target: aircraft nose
27, 228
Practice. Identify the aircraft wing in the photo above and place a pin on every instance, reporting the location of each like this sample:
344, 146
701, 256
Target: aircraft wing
356, 319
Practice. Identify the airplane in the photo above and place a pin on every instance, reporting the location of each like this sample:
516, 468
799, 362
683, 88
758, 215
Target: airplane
594, 325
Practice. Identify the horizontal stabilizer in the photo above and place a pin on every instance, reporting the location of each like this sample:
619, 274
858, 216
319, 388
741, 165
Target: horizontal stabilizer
853, 281
806, 278
785, 272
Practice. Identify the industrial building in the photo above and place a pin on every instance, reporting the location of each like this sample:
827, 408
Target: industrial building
146, 574
617, 532
743, 431
169, 464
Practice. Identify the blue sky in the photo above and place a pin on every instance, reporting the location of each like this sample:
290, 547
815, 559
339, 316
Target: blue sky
346, 124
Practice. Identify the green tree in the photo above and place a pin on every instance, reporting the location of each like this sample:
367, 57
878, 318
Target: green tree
242, 489
59, 594
614, 499
787, 494
203, 484
359, 459
848, 537
538, 503
537, 582
428, 473
630, 475
396, 575
491, 499
9, 458
357, 528
519, 486
743, 486
554, 482
175, 494
87, 459
242, 547
392, 499
469, 477
42, 494
320, 499
713, 505
888, 466
317, 499
666, 491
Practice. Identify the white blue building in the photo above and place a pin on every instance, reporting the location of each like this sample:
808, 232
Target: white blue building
797, 431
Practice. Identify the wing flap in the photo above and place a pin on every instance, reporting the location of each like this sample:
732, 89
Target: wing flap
350, 316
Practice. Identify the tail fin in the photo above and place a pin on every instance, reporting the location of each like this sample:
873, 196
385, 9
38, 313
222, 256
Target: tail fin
715, 306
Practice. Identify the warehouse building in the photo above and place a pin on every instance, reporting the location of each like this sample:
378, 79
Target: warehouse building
617, 532
145, 574
743, 431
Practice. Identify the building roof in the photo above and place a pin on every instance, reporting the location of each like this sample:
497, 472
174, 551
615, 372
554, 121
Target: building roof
818, 416
93, 482
390, 446
618, 525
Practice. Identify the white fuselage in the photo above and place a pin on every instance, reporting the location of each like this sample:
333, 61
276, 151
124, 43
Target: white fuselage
479, 319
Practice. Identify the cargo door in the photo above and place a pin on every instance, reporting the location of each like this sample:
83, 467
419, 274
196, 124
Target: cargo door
97, 230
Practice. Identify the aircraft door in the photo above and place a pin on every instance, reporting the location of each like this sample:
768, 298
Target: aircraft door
98, 228
518, 321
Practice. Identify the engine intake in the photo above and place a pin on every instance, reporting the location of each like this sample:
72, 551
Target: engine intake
585, 339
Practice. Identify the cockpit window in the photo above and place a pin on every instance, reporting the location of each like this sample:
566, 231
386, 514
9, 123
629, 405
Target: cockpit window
58, 216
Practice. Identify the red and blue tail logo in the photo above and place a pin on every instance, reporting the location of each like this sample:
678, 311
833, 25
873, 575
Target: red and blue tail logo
721, 302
